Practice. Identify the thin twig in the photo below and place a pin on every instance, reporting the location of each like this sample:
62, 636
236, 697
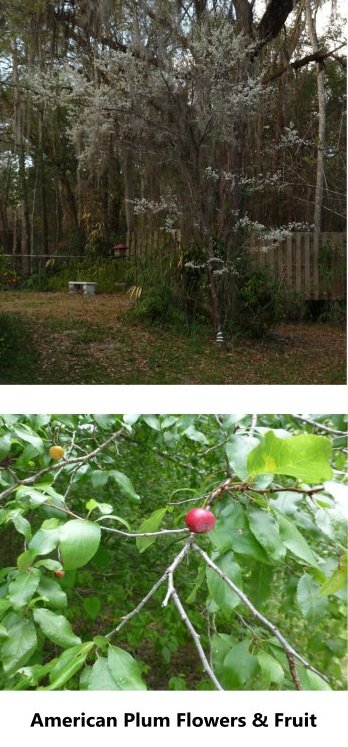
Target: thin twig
172, 594
178, 558
58, 466
206, 666
161, 533
293, 672
320, 426
137, 609
258, 615
253, 424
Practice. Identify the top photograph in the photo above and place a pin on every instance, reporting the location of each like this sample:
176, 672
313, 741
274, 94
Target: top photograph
173, 192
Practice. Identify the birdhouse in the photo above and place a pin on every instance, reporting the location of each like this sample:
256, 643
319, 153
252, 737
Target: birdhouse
120, 251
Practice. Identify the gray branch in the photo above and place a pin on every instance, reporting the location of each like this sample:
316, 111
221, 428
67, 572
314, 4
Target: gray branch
289, 650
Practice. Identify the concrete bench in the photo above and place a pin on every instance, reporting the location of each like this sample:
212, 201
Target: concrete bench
80, 286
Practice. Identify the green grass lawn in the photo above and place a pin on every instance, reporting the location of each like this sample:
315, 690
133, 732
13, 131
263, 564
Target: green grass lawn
54, 338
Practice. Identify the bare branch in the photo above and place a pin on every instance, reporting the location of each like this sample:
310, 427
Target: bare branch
273, 20
293, 672
172, 594
258, 615
297, 64
206, 666
177, 560
161, 533
320, 426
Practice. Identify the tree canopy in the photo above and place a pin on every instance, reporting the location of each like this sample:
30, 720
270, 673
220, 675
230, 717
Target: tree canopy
199, 115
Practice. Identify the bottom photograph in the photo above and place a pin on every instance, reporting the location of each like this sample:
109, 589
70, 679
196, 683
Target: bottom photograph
173, 552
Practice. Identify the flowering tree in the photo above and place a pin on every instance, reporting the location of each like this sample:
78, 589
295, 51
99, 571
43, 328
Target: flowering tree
168, 112
102, 578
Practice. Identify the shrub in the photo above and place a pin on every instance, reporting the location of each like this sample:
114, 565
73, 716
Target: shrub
107, 273
8, 276
259, 303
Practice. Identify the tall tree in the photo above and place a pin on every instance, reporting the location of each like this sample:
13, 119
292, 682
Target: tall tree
311, 12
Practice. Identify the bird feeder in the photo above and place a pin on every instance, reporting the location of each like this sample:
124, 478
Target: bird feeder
120, 251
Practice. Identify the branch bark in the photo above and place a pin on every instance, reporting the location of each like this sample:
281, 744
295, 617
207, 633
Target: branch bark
289, 650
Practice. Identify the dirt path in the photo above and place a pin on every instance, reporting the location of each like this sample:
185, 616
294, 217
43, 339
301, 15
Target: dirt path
90, 340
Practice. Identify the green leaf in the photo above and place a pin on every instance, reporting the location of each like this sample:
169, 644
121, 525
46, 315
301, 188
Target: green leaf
151, 524
130, 419
104, 421
125, 670
272, 671
287, 502
91, 505
337, 581
312, 605
223, 596
24, 433
340, 493
221, 644
49, 563
52, 593
3, 633
67, 664
54, 507
240, 665
99, 478
295, 542
44, 541
34, 497
237, 450
305, 457
311, 681
194, 435
23, 587
265, 529
232, 532
120, 520
19, 646
105, 508
5, 445
152, 421
260, 583
22, 525
79, 541
92, 605
25, 559
32, 675
56, 628
52, 523
5, 605
167, 421
124, 484
101, 677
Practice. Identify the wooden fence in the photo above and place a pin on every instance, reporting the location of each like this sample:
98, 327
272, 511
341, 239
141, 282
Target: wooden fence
313, 265
153, 244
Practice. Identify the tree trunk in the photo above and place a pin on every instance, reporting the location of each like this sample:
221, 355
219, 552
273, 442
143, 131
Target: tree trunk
318, 199
20, 151
44, 217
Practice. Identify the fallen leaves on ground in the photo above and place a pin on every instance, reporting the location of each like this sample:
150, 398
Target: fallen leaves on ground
90, 340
